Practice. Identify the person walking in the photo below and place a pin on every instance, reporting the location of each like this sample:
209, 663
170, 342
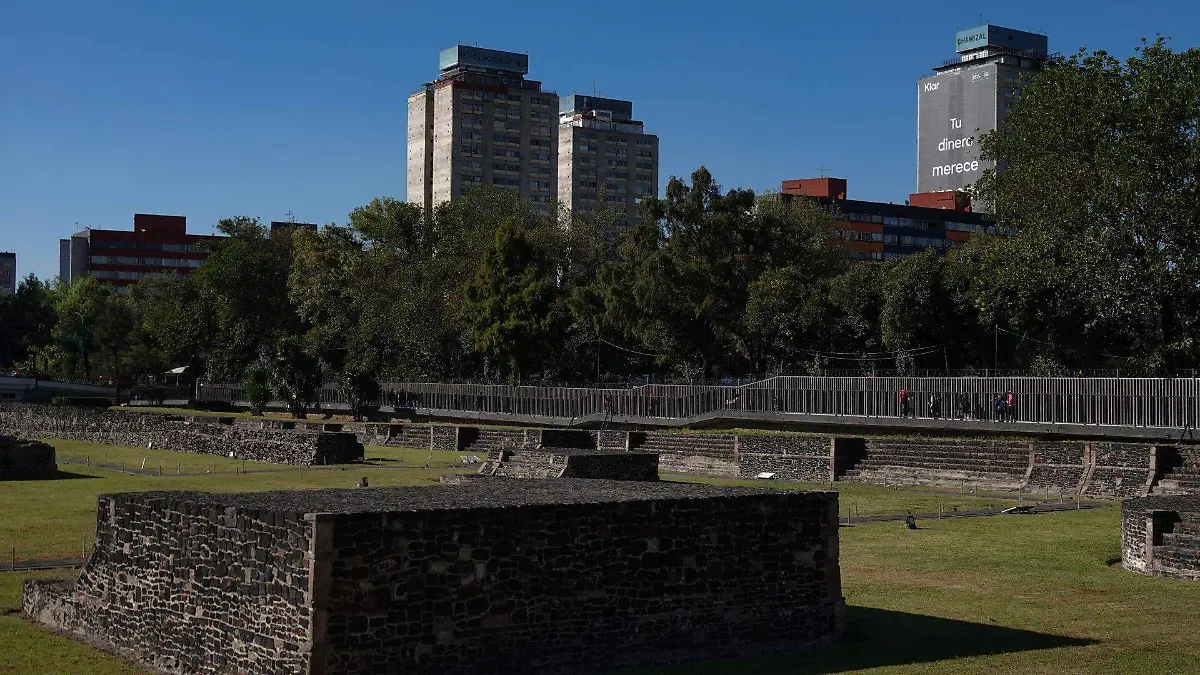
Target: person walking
998, 406
1010, 405
903, 403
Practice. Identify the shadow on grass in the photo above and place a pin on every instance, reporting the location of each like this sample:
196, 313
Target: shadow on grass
877, 638
59, 474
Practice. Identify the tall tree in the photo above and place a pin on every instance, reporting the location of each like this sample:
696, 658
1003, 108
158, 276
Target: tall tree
1102, 177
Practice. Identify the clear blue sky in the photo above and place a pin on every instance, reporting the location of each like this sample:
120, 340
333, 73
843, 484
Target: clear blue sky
218, 108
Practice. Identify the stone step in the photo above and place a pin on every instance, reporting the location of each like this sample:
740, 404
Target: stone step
1023, 461
936, 463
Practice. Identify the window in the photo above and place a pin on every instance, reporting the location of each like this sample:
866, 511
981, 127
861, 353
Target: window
645, 142
616, 163
537, 142
642, 190
512, 140
539, 170
539, 156
472, 121
471, 136
618, 175
584, 147
504, 166
475, 180
614, 198
539, 185
506, 181
645, 177
645, 154
891, 239
907, 240
472, 150
616, 152
539, 100
473, 108
542, 130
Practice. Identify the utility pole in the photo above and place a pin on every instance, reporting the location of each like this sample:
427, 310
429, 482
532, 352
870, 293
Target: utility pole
996, 348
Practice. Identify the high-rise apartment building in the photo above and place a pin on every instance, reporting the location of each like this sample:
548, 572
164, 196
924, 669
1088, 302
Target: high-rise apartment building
479, 122
968, 97
604, 156
157, 245
8, 273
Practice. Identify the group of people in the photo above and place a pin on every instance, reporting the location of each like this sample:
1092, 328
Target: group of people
1003, 407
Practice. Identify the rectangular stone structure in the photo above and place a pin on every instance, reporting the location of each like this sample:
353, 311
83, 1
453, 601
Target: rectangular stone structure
21, 459
492, 576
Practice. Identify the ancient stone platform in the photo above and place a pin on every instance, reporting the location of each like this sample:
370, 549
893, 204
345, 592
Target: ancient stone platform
223, 436
1161, 535
22, 459
571, 463
492, 576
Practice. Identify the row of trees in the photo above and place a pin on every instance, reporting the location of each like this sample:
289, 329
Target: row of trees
1102, 165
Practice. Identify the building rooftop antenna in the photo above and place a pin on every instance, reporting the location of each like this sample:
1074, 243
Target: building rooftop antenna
822, 169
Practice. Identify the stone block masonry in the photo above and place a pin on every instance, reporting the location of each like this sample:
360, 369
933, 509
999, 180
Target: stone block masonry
571, 463
1161, 535
488, 576
26, 460
247, 439
800, 458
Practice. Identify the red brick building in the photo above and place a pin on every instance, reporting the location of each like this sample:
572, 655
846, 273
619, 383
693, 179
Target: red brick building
884, 231
157, 245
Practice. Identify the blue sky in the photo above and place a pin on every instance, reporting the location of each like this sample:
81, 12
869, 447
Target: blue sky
217, 109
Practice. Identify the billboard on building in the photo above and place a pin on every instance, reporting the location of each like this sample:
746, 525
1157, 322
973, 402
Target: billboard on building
954, 109
999, 36
464, 55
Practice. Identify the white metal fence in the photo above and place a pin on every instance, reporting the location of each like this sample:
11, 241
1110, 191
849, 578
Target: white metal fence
1140, 402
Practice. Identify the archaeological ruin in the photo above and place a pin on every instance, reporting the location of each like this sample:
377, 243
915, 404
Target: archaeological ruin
22, 459
489, 576
1160, 535
223, 436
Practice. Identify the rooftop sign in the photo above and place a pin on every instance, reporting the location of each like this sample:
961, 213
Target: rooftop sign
988, 35
478, 57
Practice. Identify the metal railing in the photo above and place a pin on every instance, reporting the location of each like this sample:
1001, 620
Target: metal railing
1132, 402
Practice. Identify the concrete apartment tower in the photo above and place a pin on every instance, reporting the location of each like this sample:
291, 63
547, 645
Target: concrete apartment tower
479, 122
603, 153
8, 273
967, 97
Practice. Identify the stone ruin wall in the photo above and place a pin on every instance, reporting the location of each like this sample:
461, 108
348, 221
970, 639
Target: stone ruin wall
1120, 470
1059, 467
21, 459
1160, 535
582, 587
800, 458
204, 587
186, 588
245, 439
